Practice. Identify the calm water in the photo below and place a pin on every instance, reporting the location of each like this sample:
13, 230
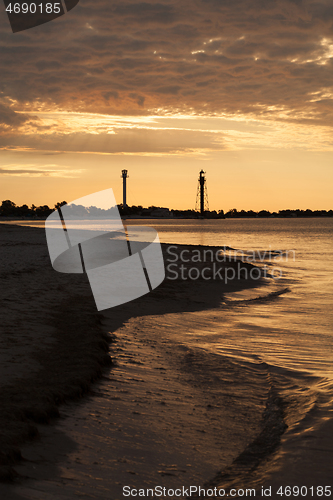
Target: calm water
303, 318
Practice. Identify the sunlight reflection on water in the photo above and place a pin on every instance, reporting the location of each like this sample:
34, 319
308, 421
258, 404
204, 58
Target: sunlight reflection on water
295, 329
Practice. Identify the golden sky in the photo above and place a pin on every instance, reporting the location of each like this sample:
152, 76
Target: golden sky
242, 89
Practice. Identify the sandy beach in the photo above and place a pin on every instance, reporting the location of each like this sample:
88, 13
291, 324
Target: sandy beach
51, 346
159, 413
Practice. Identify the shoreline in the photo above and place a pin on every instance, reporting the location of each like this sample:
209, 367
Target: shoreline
125, 433
45, 390
43, 362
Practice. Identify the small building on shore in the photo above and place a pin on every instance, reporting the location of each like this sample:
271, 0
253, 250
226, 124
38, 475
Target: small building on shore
161, 212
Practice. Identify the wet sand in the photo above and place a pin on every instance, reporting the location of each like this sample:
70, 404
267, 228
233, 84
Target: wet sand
149, 422
160, 415
52, 343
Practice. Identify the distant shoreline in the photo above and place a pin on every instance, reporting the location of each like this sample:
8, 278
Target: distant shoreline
141, 217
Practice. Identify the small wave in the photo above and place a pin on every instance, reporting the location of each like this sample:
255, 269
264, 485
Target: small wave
296, 403
256, 256
240, 471
288, 406
261, 298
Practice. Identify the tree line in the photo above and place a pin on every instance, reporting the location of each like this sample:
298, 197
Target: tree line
213, 214
10, 209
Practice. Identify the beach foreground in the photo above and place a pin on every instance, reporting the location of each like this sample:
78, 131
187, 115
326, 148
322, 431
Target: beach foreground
51, 346
164, 414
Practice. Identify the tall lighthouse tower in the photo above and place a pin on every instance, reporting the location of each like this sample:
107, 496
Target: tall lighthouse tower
202, 194
124, 176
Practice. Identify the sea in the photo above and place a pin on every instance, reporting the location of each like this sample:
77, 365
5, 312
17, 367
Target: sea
294, 332
279, 334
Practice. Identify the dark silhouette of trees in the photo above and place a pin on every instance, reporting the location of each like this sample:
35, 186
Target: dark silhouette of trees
9, 209
43, 211
59, 204
264, 213
232, 213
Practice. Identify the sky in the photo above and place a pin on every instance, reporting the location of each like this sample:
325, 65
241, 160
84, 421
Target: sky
240, 88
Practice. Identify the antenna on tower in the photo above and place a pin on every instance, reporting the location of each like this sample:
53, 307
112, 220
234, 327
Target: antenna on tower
202, 194
124, 176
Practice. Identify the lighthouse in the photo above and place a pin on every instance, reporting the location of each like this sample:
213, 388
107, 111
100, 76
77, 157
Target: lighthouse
202, 195
124, 176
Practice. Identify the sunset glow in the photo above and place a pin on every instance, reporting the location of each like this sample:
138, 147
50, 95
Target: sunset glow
164, 93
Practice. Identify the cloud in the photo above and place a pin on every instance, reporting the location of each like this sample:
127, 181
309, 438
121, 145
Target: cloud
160, 136
263, 59
9, 119
32, 170
122, 140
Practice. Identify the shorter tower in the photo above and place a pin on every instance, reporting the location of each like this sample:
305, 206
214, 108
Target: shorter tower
202, 194
124, 176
